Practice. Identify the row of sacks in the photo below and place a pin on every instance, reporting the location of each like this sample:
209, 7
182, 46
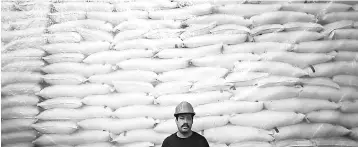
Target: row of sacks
89, 107
201, 56
305, 54
346, 98
86, 33
98, 35
232, 134
37, 37
315, 142
23, 106
244, 88
228, 7
145, 81
272, 98
227, 134
190, 13
313, 65
270, 88
292, 37
132, 32
329, 15
266, 51
154, 29
77, 43
330, 116
177, 26
42, 39
97, 117
321, 46
328, 141
197, 56
169, 69
203, 38
191, 2
264, 14
38, 34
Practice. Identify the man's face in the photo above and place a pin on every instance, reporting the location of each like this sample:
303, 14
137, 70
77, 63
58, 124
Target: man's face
184, 122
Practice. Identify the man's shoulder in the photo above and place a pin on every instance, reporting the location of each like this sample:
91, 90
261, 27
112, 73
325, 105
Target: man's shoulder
202, 142
198, 135
168, 140
171, 137
195, 138
194, 135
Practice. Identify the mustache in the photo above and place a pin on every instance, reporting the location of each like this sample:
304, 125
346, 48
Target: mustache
185, 125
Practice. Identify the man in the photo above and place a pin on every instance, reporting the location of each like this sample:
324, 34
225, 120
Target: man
185, 137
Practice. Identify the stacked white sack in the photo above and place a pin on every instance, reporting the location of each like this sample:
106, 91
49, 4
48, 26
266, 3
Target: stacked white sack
281, 80
282, 77
338, 27
240, 69
132, 80
23, 32
172, 87
137, 74
342, 70
72, 38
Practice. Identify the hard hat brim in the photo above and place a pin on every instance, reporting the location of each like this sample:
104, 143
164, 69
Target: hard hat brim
177, 114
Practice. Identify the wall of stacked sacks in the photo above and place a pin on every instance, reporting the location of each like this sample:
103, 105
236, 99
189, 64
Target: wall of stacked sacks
103, 73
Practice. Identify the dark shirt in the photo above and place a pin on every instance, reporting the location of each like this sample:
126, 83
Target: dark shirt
195, 140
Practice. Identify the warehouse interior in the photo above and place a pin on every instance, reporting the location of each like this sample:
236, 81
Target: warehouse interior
109, 73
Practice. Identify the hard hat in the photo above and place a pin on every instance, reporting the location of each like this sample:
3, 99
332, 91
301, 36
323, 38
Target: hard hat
184, 107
